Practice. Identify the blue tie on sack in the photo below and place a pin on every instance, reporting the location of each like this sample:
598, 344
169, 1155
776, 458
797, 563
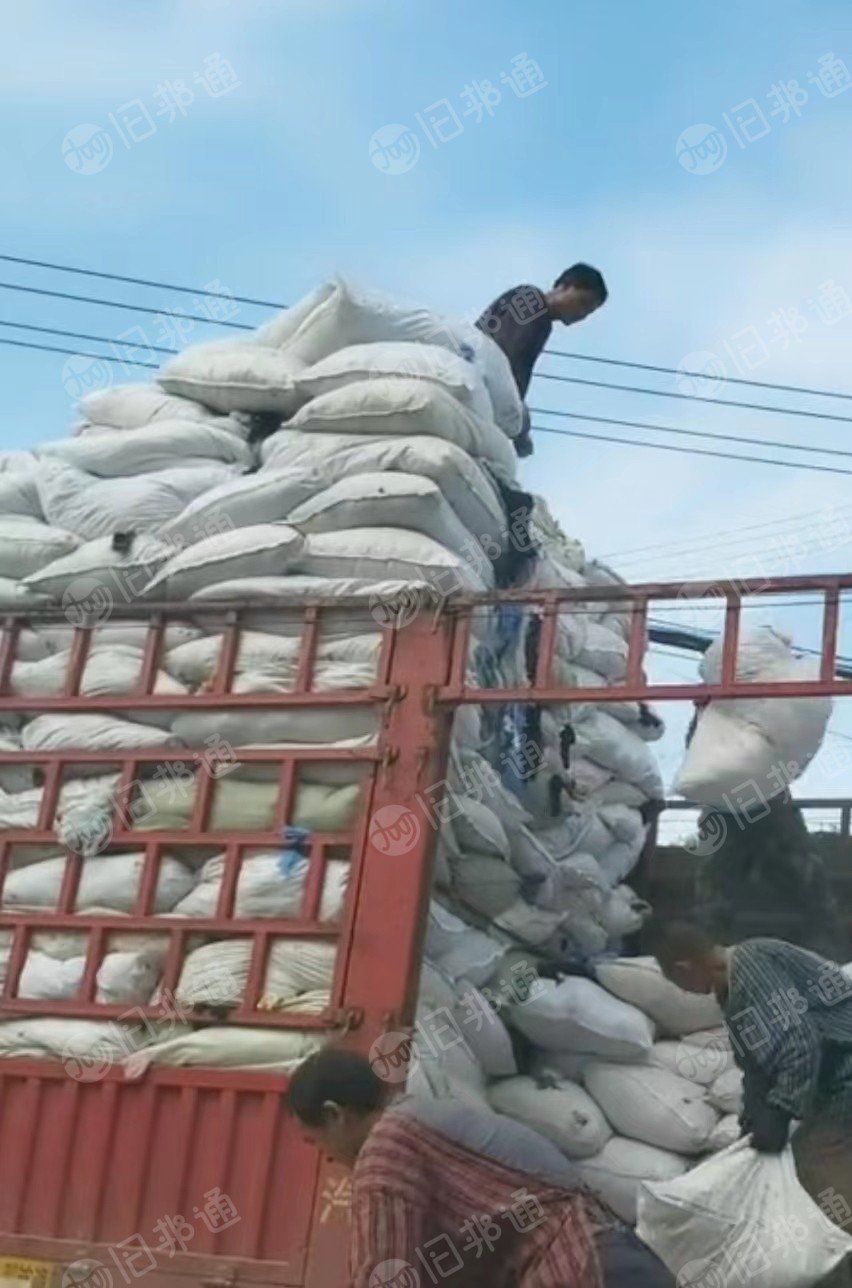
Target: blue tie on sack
297, 843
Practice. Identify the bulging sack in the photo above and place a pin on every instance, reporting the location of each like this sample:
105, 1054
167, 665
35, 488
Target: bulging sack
465, 484
388, 552
265, 549
230, 376
639, 980
752, 739
650, 1104
398, 359
133, 406
619, 1171
578, 1015
741, 1208
160, 446
560, 1111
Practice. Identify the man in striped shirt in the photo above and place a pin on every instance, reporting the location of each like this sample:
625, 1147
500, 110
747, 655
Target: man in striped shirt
789, 1014
441, 1187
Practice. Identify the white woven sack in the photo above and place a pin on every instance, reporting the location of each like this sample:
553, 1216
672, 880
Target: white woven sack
392, 501
265, 888
725, 1134
85, 1046
261, 550
19, 494
309, 726
96, 732
563, 1113
27, 546
233, 376
465, 484
108, 672
122, 977
745, 739
128, 634
644, 1102
609, 743
196, 661
700, 1057
398, 406
133, 406
249, 807
101, 572
740, 1204
474, 826
107, 880
578, 1015
401, 359
564, 1066
339, 314
726, 1092
640, 981
508, 409
14, 778
92, 507
624, 913
387, 552
618, 1173
266, 497
484, 883
228, 1047
472, 955
161, 446
216, 974
482, 1029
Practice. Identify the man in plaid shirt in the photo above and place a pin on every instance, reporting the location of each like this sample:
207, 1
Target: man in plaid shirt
440, 1187
789, 1014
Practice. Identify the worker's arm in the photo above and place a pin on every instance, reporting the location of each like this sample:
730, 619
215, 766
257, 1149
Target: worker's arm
777, 1042
386, 1229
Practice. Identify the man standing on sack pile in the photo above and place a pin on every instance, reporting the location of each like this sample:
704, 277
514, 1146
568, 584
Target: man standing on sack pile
789, 1014
521, 319
441, 1186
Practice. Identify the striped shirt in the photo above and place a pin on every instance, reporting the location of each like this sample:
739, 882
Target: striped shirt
424, 1207
789, 1014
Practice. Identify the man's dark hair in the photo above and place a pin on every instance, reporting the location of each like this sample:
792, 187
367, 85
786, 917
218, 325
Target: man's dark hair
332, 1074
585, 278
677, 941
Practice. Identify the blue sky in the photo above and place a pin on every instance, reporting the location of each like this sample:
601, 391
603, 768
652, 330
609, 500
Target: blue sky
269, 188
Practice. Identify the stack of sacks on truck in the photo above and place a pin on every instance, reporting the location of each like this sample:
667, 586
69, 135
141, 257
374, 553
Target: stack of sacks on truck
350, 446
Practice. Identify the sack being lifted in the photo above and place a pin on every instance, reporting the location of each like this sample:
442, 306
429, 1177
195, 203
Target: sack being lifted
767, 742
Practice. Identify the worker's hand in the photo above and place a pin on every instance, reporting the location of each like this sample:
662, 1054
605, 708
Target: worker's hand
769, 1130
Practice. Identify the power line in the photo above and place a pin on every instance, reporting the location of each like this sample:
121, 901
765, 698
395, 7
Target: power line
81, 335
802, 537
723, 532
689, 433
703, 398
141, 281
76, 353
688, 451
115, 304
556, 353
698, 375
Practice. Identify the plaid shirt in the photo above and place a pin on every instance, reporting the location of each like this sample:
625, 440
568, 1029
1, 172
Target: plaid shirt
420, 1201
789, 1013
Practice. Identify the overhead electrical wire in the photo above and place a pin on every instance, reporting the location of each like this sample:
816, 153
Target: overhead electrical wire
717, 402
690, 451
115, 304
697, 375
154, 283
76, 353
81, 335
721, 532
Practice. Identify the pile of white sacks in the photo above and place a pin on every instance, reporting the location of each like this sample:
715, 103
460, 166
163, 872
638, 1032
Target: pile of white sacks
352, 445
